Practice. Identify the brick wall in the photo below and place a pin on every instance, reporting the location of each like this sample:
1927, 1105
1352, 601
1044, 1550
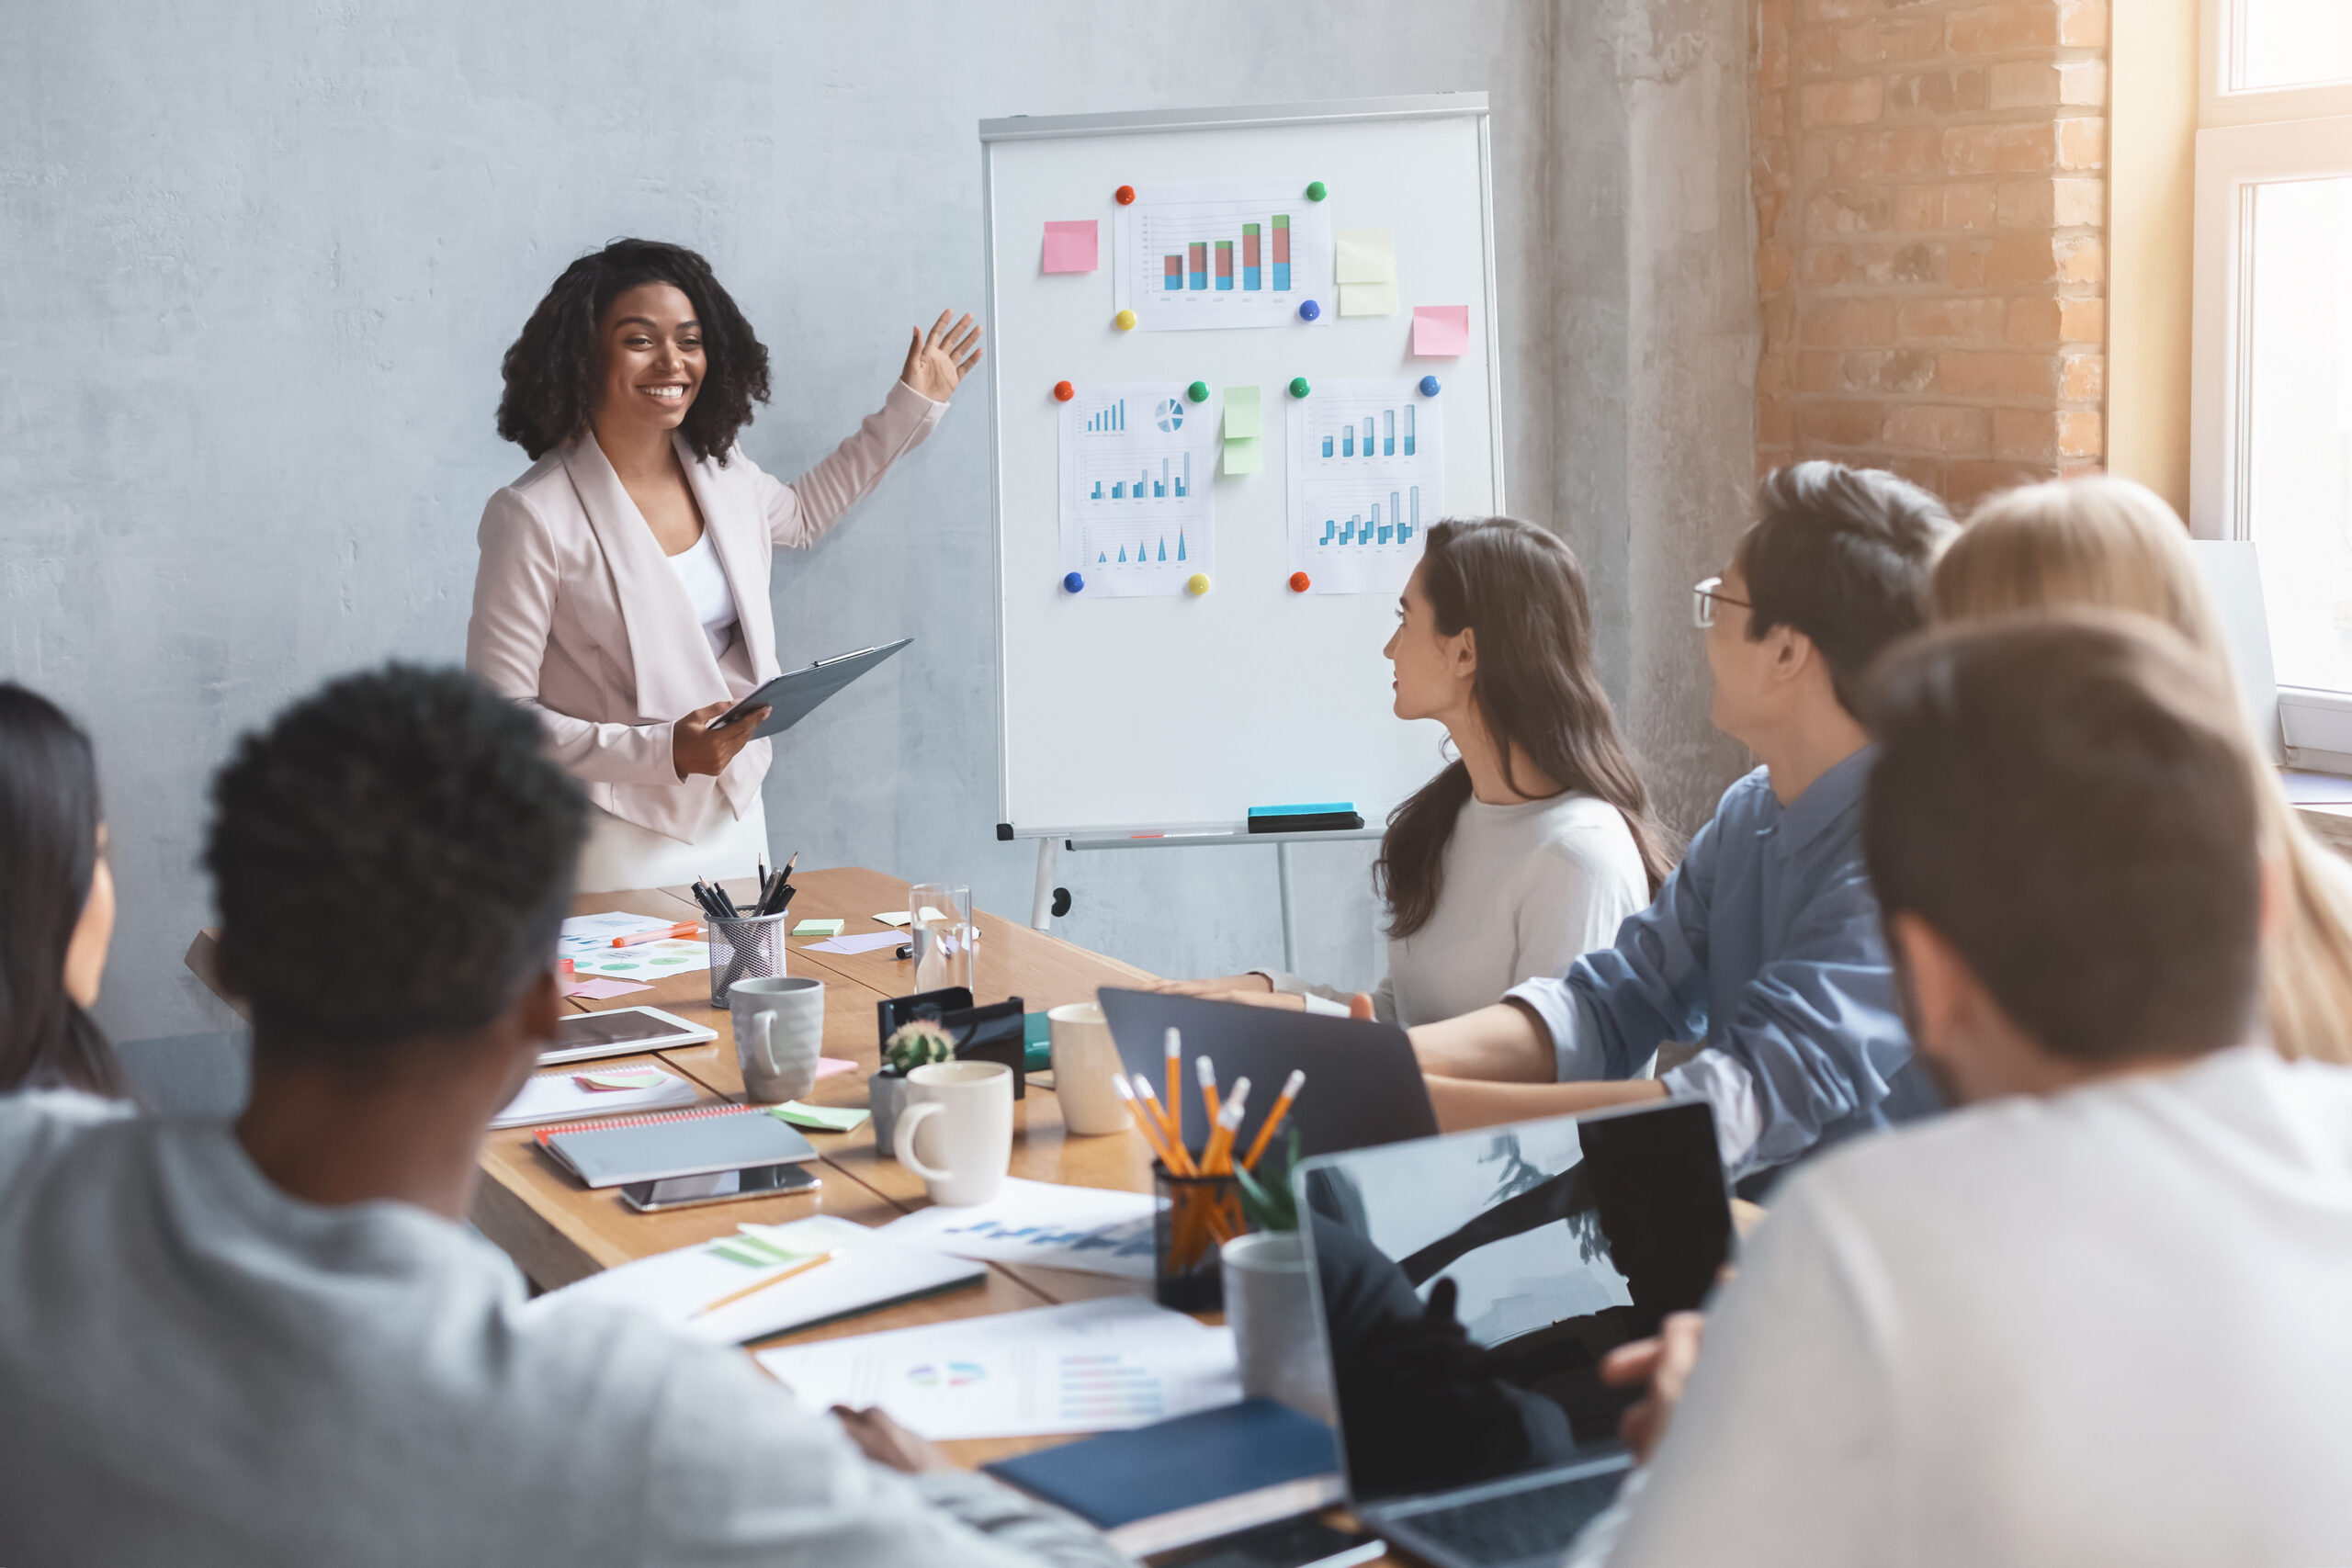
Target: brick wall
1931, 204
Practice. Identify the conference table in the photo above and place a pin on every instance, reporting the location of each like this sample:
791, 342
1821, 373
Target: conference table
558, 1231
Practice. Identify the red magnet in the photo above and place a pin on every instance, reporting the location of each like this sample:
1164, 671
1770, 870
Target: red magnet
1299, 582
1125, 195
1064, 392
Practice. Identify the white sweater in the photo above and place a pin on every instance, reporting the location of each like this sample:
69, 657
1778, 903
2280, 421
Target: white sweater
1527, 888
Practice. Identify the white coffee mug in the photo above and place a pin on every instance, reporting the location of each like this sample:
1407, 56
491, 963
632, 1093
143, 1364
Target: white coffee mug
779, 1033
1085, 1060
967, 1106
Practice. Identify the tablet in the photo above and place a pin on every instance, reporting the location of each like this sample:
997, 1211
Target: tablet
620, 1033
795, 695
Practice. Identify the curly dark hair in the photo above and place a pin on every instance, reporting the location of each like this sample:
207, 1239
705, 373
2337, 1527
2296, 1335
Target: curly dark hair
393, 858
555, 370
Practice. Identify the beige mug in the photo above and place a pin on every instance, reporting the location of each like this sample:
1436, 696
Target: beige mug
1086, 1059
967, 1109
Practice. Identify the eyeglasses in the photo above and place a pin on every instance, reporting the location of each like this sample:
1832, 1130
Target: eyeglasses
1704, 596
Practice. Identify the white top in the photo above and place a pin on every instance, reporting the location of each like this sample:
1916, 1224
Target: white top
196, 1369
705, 581
1527, 888
2108, 1328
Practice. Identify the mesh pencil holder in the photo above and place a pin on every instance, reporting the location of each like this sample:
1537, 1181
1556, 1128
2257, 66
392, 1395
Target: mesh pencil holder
1195, 1216
750, 948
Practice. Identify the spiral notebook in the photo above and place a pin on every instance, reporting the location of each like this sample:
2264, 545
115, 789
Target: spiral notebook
684, 1143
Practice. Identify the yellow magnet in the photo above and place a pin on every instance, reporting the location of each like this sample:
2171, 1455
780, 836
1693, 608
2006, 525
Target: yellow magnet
1197, 583
1127, 320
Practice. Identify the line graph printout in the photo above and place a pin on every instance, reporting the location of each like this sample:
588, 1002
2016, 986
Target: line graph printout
1367, 476
1195, 254
1138, 514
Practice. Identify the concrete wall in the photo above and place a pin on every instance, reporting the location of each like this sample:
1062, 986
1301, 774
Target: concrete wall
263, 260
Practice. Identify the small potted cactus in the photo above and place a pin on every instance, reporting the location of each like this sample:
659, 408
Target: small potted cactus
917, 1043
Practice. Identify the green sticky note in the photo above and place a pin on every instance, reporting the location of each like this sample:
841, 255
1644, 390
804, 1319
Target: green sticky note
1241, 414
823, 1118
1242, 456
819, 928
747, 1258
1366, 255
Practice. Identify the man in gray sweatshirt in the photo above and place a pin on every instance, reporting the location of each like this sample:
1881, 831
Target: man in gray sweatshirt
275, 1342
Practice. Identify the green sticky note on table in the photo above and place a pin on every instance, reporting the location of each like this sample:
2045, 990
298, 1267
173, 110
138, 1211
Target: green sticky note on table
819, 928
1366, 255
1242, 456
1241, 414
821, 1118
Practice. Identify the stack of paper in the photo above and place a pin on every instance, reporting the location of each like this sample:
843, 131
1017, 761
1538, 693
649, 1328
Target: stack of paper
569, 1095
682, 1288
1099, 1366
587, 941
1091, 1229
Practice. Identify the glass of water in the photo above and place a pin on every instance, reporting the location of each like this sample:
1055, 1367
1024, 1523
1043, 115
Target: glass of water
944, 935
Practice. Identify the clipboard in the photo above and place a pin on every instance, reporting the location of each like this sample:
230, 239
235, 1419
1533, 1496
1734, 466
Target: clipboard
797, 693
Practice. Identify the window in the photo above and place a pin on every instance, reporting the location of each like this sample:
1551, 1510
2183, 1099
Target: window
2272, 448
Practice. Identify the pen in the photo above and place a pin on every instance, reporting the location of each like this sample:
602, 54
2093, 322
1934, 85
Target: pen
794, 1272
1296, 1081
683, 929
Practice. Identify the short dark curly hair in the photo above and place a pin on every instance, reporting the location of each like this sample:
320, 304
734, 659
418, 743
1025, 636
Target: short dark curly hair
393, 858
555, 370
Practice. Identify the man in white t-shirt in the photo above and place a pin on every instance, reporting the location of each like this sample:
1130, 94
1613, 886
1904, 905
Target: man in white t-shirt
275, 1344
2103, 1315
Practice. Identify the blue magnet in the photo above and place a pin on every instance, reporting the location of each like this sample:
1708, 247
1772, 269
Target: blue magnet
1073, 582
1429, 385
1308, 310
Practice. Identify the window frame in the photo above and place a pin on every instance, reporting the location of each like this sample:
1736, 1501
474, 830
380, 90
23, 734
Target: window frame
2244, 140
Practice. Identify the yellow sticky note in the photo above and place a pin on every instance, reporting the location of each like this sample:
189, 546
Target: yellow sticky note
1367, 298
1366, 255
1241, 415
1241, 456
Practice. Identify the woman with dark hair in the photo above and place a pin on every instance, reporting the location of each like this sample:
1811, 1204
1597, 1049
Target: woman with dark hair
623, 590
1535, 841
56, 902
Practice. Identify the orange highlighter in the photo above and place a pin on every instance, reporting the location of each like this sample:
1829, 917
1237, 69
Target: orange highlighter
683, 929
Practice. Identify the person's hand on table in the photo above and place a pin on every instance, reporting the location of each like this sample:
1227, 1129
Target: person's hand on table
885, 1442
938, 359
696, 747
1665, 1363
1223, 986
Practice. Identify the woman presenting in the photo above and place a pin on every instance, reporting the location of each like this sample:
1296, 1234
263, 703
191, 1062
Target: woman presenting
623, 590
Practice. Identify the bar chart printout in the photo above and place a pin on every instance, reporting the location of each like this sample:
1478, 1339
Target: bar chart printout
1196, 253
1367, 476
1137, 512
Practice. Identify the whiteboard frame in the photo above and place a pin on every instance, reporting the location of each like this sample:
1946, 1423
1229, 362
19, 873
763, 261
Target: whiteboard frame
1042, 127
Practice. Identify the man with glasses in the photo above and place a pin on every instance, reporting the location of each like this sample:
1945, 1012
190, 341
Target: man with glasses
1763, 948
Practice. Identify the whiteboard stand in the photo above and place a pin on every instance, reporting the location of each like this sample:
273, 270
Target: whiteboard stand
1041, 907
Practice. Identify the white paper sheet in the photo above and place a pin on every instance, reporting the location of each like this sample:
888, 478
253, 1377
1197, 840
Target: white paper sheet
1366, 476
556, 1097
1087, 1228
864, 941
587, 941
1138, 514
1099, 1366
1189, 221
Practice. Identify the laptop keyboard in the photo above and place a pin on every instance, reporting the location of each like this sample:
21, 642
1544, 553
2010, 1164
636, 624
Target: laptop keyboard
1517, 1525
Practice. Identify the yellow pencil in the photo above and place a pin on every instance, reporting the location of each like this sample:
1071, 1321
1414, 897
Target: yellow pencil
1172, 1046
1216, 1159
1207, 1071
731, 1297
1296, 1081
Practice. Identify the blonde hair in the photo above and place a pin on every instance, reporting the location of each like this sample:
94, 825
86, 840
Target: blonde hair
2114, 544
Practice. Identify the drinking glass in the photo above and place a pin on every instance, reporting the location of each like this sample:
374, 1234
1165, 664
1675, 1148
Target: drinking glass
944, 933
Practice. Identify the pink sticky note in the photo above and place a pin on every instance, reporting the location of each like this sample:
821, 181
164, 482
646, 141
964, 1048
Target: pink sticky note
598, 991
1070, 246
828, 1066
1441, 331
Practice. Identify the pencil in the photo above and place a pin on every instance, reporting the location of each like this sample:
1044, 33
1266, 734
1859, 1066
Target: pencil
731, 1297
1217, 1158
1180, 1160
1207, 1071
1296, 1081
1146, 1123
1173, 1047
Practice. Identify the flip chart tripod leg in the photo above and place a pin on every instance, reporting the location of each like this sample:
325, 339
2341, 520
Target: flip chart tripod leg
1289, 923
1041, 903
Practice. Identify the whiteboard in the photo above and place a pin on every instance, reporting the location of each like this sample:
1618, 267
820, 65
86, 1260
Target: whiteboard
1124, 715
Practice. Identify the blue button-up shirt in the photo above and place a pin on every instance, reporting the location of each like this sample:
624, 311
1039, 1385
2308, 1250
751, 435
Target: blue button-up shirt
1764, 944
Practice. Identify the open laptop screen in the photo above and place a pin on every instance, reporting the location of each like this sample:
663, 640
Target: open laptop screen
1469, 1286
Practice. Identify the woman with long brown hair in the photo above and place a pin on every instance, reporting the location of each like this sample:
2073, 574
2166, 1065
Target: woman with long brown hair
2114, 544
1535, 841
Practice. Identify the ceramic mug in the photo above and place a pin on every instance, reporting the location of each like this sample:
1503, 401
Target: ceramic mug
1271, 1312
968, 1108
1085, 1060
779, 1033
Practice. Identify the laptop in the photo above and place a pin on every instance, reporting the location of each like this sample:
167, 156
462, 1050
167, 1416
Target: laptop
1467, 1288
1364, 1083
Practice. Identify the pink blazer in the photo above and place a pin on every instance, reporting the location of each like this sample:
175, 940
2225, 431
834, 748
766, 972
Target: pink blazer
578, 616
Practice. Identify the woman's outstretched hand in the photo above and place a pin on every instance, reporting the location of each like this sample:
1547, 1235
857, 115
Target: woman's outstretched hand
937, 359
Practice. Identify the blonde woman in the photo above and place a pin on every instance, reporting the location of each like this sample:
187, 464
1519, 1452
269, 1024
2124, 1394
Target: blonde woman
2112, 543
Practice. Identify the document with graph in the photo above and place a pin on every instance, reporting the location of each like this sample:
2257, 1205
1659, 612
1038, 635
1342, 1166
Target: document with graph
1137, 510
1367, 474
1193, 253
